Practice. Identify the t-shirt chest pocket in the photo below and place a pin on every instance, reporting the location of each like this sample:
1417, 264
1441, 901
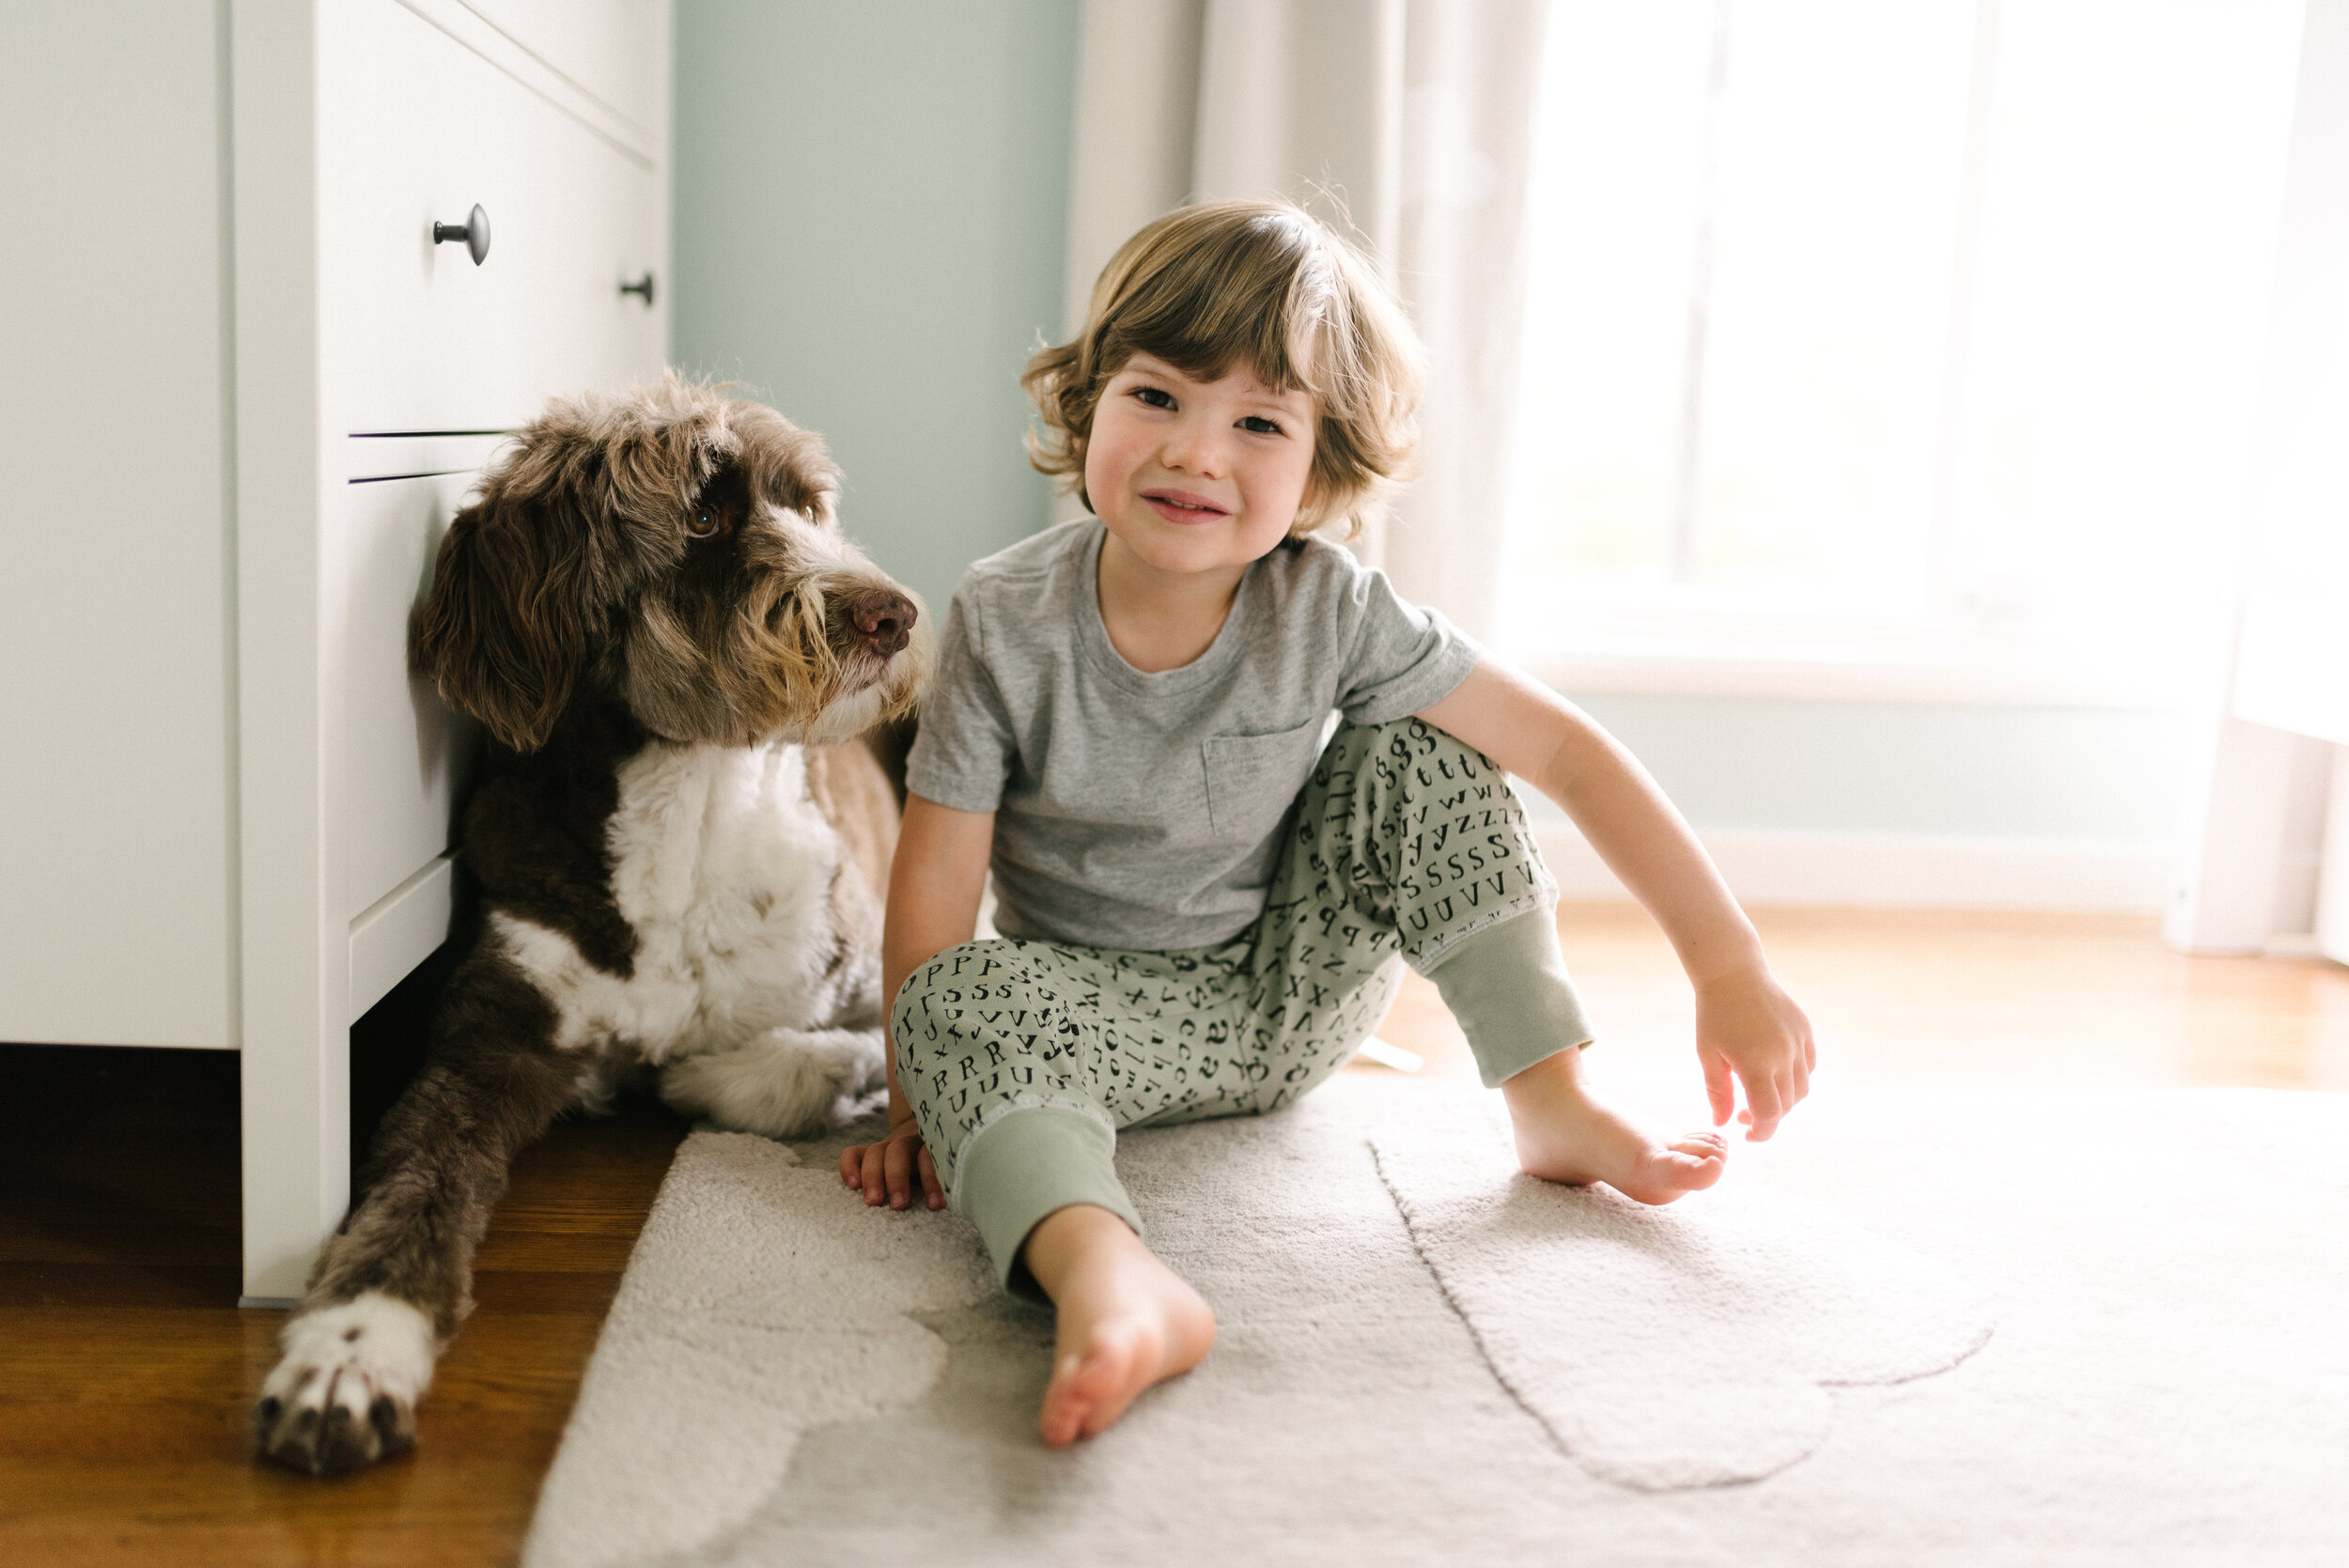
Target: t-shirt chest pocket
1252, 780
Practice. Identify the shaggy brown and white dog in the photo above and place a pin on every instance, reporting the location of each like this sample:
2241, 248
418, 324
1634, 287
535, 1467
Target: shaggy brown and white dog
680, 842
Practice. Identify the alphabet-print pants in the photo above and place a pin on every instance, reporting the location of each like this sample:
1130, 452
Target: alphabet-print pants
1022, 1057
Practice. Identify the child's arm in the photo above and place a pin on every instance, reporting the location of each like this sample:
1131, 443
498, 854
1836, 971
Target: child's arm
1746, 1023
934, 886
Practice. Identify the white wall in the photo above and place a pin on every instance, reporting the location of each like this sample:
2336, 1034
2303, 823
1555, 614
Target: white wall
1999, 772
1909, 804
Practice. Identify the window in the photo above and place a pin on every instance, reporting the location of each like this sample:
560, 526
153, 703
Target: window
1916, 340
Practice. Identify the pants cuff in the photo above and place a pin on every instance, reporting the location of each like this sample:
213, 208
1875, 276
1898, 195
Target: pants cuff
1025, 1164
1507, 985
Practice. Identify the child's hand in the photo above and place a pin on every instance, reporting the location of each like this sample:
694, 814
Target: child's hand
886, 1170
1748, 1025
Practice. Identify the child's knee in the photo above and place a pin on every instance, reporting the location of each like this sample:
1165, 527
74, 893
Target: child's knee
1408, 755
976, 1026
929, 1015
949, 981
1425, 831
1421, 783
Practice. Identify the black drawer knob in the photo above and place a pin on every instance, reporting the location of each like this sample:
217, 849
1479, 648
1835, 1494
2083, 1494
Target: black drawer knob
475, 232
641, 285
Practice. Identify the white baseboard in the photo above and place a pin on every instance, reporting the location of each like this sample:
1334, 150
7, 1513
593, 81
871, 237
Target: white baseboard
1893, 871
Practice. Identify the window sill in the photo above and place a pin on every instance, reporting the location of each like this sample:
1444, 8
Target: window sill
1831, 671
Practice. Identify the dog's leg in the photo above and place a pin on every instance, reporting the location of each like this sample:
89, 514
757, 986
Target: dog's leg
785, 1083
396, 1278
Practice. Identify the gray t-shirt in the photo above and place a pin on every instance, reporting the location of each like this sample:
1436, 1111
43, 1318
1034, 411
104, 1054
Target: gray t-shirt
1145, 811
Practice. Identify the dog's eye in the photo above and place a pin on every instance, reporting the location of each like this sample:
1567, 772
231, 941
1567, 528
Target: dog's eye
703, 525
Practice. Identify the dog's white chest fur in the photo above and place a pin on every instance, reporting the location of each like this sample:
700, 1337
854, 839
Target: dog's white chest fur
723, 867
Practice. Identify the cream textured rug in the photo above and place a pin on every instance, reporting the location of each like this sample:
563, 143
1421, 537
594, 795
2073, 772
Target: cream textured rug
1950, 1327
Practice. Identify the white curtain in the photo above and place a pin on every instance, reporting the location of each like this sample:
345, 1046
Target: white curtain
1410, 120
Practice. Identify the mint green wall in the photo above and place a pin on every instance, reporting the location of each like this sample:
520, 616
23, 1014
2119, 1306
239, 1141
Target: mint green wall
869, 210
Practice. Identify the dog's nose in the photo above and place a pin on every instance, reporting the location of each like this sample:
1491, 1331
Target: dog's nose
883, 619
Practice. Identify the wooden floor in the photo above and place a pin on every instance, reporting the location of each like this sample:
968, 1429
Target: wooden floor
1908, 997
126, 1370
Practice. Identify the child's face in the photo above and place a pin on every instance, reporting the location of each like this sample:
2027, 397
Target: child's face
1197, 476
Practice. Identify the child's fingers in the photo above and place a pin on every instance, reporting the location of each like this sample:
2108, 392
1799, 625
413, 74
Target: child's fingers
898, 1164
932, 1187
1720, 1086
1765, 1100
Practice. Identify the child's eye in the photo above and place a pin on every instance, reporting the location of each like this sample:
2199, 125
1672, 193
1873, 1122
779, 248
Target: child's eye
1157, 398
1256, 425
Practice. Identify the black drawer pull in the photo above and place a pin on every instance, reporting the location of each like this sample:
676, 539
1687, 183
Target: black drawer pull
475, 232
641, 285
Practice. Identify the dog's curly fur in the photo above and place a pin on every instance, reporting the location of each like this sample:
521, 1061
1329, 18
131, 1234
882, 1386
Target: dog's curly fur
681, 846
576, 566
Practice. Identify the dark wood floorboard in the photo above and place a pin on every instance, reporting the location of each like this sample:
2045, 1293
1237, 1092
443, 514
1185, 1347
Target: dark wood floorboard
126, 1368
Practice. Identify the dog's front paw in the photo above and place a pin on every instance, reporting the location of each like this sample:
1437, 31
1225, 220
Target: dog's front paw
345, 1396
786, 1084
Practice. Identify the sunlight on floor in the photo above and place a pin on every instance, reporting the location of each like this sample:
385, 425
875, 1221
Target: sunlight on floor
1905, 997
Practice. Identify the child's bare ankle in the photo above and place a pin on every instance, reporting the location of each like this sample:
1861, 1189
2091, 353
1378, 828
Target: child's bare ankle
1565, 1133
1556, 1076
1067, 1239
1124, 1320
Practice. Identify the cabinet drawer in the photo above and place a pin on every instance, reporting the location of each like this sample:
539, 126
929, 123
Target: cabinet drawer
419, 129
604, 46
407, 756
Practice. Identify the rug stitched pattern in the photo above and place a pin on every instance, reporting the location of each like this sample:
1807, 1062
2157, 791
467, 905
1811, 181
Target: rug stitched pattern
1665, 1348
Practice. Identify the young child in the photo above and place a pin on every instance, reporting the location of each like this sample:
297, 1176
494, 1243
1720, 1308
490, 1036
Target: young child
1200, 885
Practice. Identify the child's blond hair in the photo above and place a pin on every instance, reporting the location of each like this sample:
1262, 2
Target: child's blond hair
1265, 285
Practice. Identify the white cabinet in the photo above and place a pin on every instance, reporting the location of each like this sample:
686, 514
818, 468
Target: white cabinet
249, 400
420, 129
405, 753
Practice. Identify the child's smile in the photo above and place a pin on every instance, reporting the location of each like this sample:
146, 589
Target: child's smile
1183, 506
1194, 476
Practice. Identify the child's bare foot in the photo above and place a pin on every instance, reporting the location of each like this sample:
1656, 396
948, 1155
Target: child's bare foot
1565, 1135
1126, 1320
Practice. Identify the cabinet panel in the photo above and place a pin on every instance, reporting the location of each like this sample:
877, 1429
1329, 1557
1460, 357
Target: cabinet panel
407, 754
603, 45
400, 931
116, 843
419, 130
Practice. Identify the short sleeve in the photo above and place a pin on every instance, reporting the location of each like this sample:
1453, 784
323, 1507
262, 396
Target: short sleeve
1403, 656
964, 748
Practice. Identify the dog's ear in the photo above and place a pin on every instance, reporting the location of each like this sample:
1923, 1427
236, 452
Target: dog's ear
508, 628
785, 465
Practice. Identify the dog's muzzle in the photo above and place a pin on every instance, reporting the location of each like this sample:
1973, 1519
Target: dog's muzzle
884, 620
